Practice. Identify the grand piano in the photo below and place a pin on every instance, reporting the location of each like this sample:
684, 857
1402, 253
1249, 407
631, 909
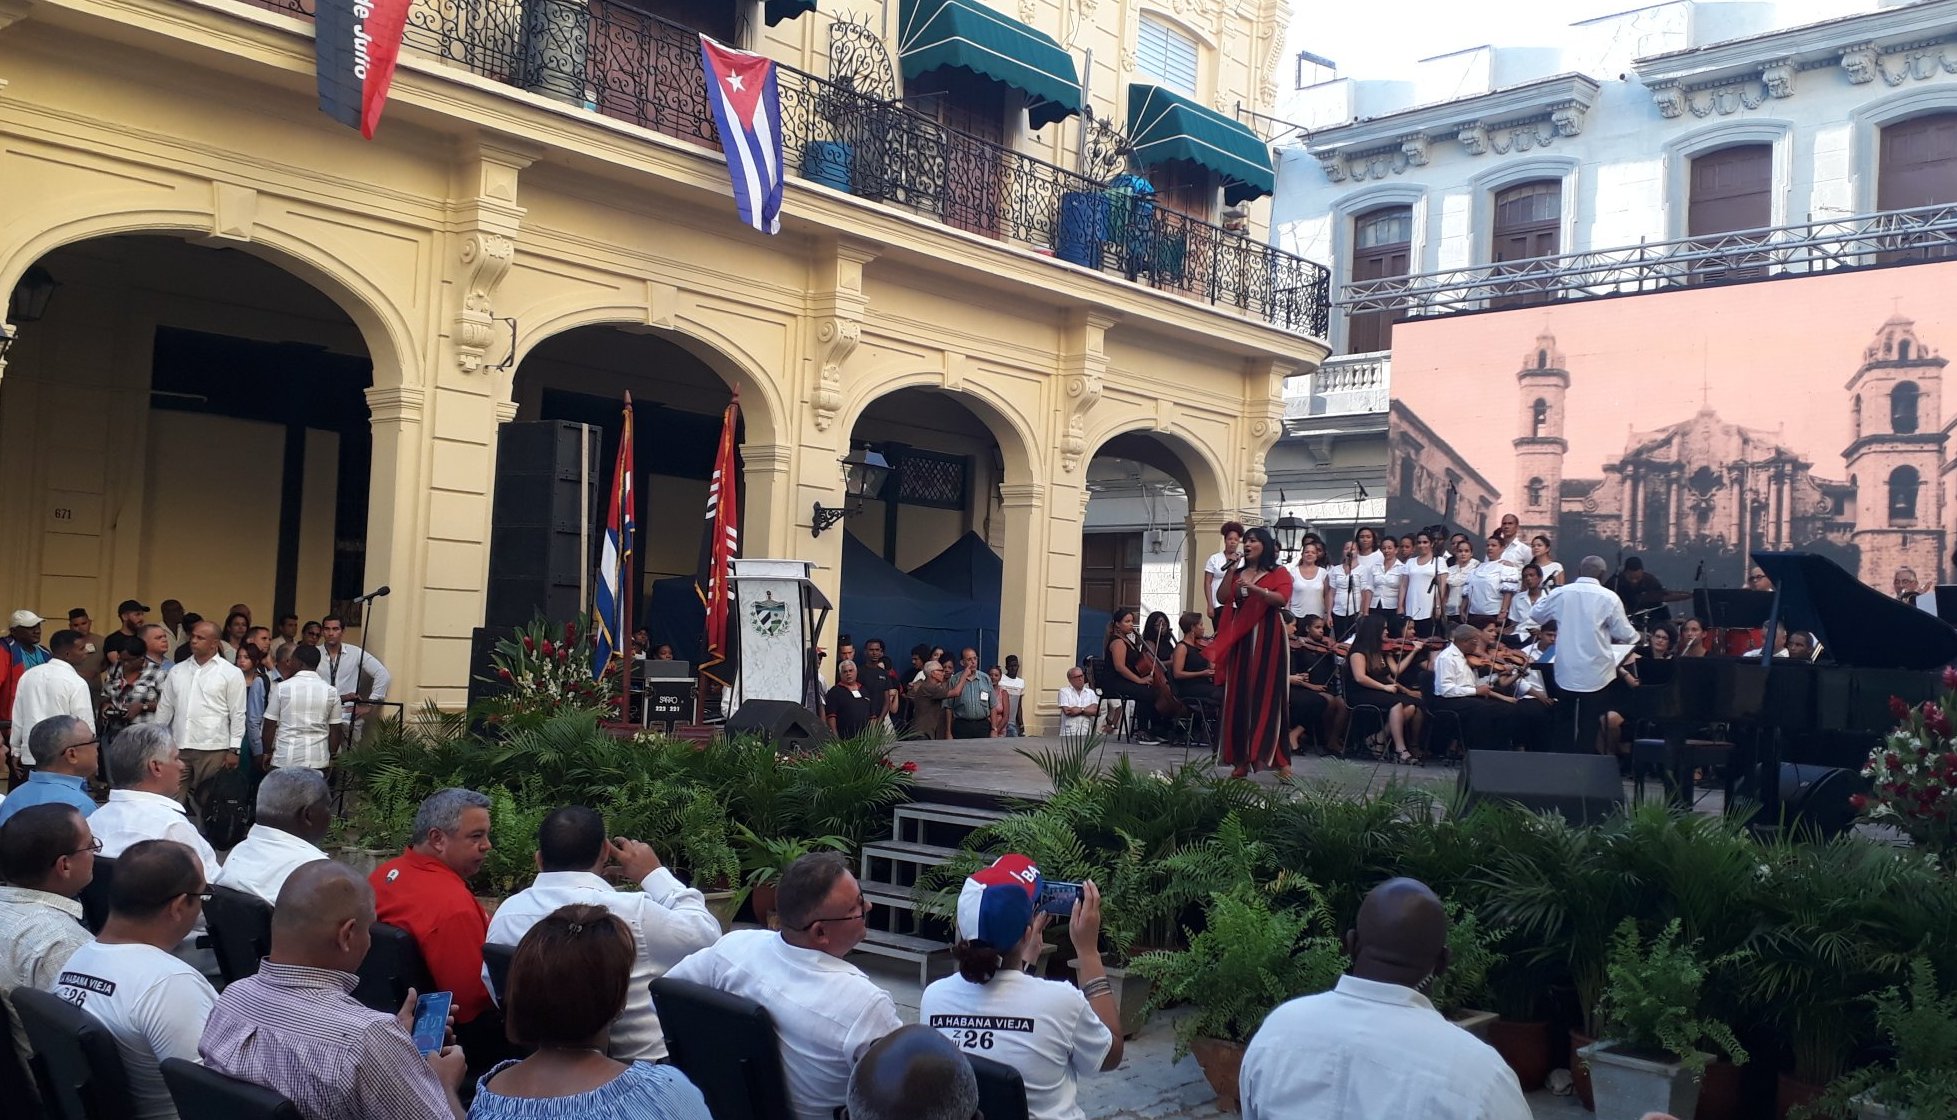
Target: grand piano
1831, 713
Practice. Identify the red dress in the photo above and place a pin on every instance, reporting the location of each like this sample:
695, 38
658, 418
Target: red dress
1252, 660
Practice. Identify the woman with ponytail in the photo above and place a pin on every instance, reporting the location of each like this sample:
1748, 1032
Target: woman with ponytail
1048, 1030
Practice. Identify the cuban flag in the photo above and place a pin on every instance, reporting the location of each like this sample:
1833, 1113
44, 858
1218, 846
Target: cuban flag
746, 105
613, 608
355, 45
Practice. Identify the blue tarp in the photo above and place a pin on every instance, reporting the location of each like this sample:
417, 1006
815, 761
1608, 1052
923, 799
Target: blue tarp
880, 601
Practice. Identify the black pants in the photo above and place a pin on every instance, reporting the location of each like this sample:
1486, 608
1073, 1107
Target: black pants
1578, 717
971, 728
1394, 620
1427, 627
1486, 723
1342, 626
1121, 688
1533, 723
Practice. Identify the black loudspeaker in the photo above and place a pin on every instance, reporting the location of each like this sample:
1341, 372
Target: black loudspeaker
781, 722
1583, 788
1814, 799
545, 524
482, 671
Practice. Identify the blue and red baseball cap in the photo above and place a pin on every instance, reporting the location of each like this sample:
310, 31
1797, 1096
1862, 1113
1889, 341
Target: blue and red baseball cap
996, 904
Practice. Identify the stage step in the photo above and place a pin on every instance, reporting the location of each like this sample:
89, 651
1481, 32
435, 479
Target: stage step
922, 822
898, 864
930, 956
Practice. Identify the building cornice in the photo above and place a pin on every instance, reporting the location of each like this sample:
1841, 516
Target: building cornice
1746, 73
1517, 119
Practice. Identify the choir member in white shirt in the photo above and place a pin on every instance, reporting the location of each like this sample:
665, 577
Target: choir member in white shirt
1422, 580
1219, 563
1533, 591
1387, 584
1345, 591
1491, 587
1365, 547
1515, 550
1326, 1056
1462, 563
1310, 579
1541, 556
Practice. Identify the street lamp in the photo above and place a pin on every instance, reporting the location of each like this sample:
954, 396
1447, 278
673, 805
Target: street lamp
30, 297
864, 472
1290, 533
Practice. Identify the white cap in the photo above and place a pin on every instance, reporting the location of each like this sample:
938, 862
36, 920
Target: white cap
23, 619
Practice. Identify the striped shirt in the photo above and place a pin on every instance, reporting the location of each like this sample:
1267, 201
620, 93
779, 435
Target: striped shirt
297, 1031
305, 708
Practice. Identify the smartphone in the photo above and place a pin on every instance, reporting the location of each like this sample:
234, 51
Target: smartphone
1057, 897
431, 1020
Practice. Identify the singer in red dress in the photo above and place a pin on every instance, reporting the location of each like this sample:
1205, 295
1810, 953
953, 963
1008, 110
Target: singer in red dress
1252, 658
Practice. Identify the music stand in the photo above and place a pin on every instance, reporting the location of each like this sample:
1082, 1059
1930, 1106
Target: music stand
1732, 608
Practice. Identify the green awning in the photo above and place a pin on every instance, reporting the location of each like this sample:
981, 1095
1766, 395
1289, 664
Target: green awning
778, 10
1165, 126
937, 33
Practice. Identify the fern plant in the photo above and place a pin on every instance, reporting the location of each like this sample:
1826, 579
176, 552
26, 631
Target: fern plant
1248, 959
1921, 1027
1652, 999
1463, 984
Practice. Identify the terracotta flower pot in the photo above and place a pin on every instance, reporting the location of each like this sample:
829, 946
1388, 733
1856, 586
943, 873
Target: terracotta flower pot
1222, 1062
1721, 1092
1790, 1091
1580, 1072
1525, 1047
763, 898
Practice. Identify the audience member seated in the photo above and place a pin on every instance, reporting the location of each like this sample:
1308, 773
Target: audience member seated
1048, 1030
47, 855
425, 891
913, 1073
1374, 1046
826, 1011
570, 981
154, 1004
295, 810
295, 1028
67, 754
667, 919
1079, 706
145, 772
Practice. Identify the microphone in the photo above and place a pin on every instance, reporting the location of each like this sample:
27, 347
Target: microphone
378, 593
1699, 575
1362, 489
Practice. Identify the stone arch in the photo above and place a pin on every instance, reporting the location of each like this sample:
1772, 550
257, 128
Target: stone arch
1866, 123
1018, 447
390, 343
762, 410
1682, 150
1205, 476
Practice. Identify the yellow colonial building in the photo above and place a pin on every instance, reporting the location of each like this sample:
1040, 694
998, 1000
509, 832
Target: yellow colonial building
255, 357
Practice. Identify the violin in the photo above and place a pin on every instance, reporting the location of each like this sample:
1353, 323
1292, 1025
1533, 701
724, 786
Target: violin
1325, 646
1149, 667
1411, 645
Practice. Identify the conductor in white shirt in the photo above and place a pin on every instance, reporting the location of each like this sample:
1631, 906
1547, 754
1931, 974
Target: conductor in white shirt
1590, 620
203, 705
295, 810
669, 920
52, 688
1373, 1046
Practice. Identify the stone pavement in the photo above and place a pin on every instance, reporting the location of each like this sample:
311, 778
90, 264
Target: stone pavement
1149, 1085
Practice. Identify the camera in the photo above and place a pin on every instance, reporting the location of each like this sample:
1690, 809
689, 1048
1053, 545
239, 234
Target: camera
1057, 897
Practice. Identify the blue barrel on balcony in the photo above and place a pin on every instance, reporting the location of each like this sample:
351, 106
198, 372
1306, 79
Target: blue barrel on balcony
828, 162
1083, 227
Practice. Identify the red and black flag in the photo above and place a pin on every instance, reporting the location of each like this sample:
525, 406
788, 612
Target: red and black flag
355, 43
719, 545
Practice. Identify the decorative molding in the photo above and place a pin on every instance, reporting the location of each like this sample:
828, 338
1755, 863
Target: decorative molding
1083, 373
1778, 77
396, 404
1860, 63
1669, 98
838, 304
1518, 119
1917, 66
13, 11
234, 211
505, 411
1824, 43
1414, 148
485, 259
1022, 495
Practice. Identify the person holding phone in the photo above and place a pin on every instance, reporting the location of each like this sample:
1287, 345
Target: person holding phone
567, 985
1048, 1030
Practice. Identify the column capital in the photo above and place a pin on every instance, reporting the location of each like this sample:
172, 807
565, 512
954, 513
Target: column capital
1022, 495
394, 404
767, 458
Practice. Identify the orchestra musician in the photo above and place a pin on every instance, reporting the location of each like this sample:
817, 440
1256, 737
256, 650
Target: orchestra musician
1691, 638
1129, 675
1589, 620
1372, 680
1252, 658
1190, 670
1312, 704
1643, 596
1484, 707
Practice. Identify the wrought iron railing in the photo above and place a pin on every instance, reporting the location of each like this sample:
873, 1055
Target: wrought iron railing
613, 59
1887, 237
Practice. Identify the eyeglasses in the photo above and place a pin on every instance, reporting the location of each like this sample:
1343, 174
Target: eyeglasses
80, 745
862, 911
94, 845
200, 896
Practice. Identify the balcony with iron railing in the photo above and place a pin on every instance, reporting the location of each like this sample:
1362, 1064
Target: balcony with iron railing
609, 58
1349, 385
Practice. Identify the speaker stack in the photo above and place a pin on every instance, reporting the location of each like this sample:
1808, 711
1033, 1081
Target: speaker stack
1583, 788
544, 524
782, 722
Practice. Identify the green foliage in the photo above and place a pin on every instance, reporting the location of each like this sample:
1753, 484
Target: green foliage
1248, 959
1652, 999
542, 669
1463, 985
512, 862
845, 789
764, 858
1921, 1026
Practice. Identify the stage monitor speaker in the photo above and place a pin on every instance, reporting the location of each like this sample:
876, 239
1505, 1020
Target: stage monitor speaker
482, 670
781, 722
545, 524
1583, 788
1814, 799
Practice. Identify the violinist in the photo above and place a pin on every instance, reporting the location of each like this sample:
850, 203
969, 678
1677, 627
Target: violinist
1129, 675
1190, 670
1422, 580
1252, 658
1485, 709
1372, 681
1312, 703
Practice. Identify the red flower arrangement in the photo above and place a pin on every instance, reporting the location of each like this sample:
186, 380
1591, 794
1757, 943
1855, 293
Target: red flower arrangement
1914, 772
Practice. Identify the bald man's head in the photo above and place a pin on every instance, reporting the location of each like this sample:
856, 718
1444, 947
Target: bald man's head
1401, 935
913, 1073
322, 917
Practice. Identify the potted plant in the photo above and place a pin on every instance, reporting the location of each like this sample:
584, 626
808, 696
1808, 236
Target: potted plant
1913, 774
765, 858
1920, 1026
1461, 991
1248, 959
1649, 1059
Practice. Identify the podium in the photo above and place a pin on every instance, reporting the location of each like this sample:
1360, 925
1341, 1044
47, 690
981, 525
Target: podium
779, 611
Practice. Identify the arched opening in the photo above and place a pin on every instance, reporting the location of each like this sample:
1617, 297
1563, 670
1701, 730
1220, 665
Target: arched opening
1539, 417
1903, 401
1902, 350
923, 563
1382, 248
186, 423
1535, 493
1542, 359
1134, 543
1903, 484
1855, 416
678, 402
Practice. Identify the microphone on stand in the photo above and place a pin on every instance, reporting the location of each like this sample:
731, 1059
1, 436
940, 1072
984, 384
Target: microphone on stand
378, 593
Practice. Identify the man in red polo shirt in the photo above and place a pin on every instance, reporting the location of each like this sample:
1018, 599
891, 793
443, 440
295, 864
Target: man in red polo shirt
425, 890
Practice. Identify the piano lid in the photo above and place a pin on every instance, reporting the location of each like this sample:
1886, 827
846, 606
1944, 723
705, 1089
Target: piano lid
1856, 624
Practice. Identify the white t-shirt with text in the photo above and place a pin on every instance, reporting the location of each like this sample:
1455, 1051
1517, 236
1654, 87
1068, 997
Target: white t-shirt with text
154, 1004
1042, 1028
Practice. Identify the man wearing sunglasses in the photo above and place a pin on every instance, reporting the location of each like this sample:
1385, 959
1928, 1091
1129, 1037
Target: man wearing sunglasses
66, 754
47, 856
826, 1012
154, 1004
